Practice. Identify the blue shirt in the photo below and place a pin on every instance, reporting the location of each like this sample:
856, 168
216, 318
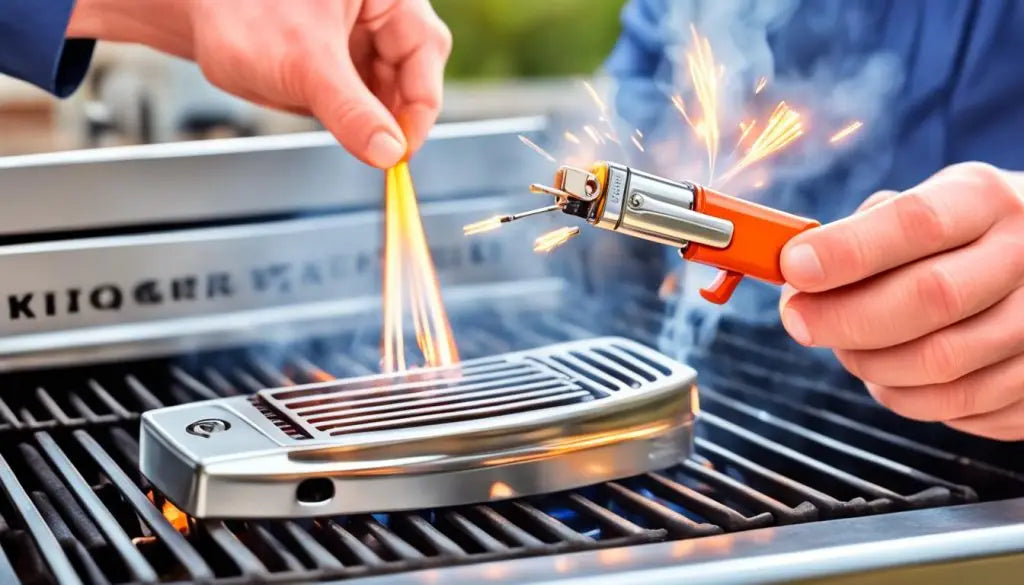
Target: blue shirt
936, 82
33, 47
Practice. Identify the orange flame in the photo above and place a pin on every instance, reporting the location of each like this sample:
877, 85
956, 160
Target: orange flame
174, 516
409, 270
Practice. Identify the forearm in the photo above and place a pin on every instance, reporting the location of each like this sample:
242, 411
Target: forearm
162, 24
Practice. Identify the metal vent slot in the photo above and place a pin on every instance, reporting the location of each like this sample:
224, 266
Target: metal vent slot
286, 426
637, 360
379, 403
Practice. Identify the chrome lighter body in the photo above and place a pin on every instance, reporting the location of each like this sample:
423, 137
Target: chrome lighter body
634, 203
538, 421
649, 207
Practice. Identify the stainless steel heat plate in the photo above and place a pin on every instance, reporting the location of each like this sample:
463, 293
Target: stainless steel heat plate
537, 421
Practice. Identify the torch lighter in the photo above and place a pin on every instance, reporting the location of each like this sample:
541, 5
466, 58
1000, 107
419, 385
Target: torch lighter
739, 237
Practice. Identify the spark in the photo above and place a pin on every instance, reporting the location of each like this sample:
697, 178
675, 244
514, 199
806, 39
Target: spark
597, 99
636, 143
848, 130
639, 134
592, 133
536, 148
409, 272
571, 137
677, 101
758, 184
484, 225
611, 138
705, 78
555, 238
783, 127
761, 83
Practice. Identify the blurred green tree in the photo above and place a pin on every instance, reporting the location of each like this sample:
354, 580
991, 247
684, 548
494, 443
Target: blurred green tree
495, 39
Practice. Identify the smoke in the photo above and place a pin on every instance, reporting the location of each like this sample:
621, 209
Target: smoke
821, 58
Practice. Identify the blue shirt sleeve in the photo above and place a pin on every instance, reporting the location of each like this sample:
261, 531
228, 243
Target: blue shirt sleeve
33, 46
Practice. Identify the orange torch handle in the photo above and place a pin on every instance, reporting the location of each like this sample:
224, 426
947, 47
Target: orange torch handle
759, 234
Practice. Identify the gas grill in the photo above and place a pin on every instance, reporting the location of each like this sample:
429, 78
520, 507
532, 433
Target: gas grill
142, 277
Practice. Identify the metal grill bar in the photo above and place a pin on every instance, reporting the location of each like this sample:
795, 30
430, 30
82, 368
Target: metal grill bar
47, 542
112, 533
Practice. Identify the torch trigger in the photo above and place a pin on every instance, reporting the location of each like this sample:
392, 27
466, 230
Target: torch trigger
721, 289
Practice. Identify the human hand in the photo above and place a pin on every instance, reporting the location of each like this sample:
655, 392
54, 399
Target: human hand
920, 295
370, 70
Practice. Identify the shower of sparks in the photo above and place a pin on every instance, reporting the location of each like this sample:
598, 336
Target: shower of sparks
636, 143
783, 127
555, 238
571, 137
592, 133
484, 225
761, 83
536, 148
848, 130
409, 274
704, 76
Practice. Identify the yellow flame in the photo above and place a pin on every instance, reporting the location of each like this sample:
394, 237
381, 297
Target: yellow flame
555, 238
846, 131
536, 148
484, 225
409, 271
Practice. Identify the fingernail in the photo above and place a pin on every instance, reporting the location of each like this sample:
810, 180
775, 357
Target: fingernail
795, 325
801, 265
384, 149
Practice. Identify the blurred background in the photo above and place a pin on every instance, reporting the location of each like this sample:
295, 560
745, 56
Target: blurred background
509, 58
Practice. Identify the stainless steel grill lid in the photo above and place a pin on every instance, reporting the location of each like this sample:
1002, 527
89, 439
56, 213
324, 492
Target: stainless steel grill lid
537, 421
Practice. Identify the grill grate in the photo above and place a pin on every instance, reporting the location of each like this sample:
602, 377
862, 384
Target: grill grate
77, 510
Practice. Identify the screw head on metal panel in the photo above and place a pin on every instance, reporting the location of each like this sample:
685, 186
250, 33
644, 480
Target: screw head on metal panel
636, 200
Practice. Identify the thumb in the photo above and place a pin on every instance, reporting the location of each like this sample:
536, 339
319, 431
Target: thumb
345, 106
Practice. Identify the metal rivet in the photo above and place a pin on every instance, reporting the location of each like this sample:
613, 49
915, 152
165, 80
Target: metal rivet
636, 200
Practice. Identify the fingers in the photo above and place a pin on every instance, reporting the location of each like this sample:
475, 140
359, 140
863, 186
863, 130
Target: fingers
350, 111
876, 199
940, 214
984, 391
1006, 424
412, 39
911, 301
946, 355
